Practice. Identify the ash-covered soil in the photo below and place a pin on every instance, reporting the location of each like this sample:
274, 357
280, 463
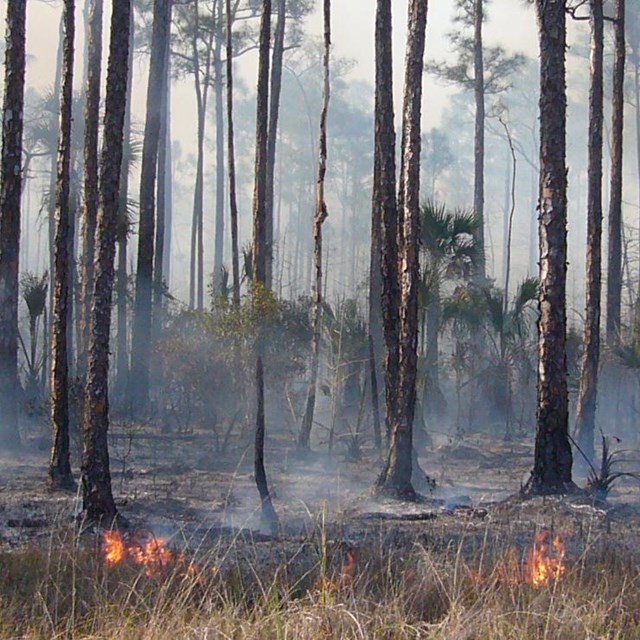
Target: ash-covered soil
181, 488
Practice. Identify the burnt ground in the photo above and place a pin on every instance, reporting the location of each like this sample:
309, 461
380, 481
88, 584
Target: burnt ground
179, 486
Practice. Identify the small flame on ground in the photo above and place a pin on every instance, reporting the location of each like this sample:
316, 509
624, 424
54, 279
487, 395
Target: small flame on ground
142, 549
546, 562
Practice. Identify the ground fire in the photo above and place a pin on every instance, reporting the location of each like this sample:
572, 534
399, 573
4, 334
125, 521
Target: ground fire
143, 549
546, 561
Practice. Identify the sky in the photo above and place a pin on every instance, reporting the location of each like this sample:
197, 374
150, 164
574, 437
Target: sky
510, 23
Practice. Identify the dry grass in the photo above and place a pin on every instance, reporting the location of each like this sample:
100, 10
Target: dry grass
62, 590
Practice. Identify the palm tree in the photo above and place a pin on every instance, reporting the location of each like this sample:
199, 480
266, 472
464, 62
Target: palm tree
451, 251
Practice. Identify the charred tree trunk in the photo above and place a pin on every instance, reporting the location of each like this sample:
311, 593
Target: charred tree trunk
161, 188
319, 218
97, 497
141, 338
10, 192
586, 409
396, 477
553, 459
384, 176
122, 234
231, 160
269, 516
60, 475
614, 257
385, 207
91, 126
478, 88
274, 112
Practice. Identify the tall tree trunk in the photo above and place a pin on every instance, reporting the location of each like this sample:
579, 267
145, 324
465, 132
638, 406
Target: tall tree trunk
97, 496
218, 252
233, 203
57, 89
274, 111
396, 478
196, 282
319, 218
553, 459
614, 256
60, 475
385, 208
586, 408
161, 186
122, 233
10, 191
141, 338
91, 126
478, 87
269, 516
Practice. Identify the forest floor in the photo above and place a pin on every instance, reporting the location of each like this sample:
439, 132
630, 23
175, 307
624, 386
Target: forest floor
205, 507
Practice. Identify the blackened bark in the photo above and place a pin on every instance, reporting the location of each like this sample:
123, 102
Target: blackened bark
141, 337
161, 189
10, 191
382, 183
553, 459
91, 126
377, 435
586, 408
60, 475
233, 203
274, 112
478, 89
385, 209
269, 516
97, 496
319, 218
122, 351
396, 479
614, 257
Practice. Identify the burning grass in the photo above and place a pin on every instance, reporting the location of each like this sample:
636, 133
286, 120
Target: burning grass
140, 587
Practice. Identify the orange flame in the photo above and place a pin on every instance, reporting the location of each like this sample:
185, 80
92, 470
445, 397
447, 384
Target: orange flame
142, 549
113, 547
541, 566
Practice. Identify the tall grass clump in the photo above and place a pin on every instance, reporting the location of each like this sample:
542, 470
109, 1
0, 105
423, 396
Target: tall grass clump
63, 590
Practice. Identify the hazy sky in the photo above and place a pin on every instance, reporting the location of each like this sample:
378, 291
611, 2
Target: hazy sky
510, 24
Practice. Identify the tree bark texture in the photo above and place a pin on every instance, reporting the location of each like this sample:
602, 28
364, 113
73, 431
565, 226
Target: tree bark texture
478, 89
161, 188
396, 478
10, 192
553, 459
385, 208
122, 351
269, 516
97, 497
91, 129
231, 161
274, 112
59, 464
587, 395
141, 337
319, 218
614, 257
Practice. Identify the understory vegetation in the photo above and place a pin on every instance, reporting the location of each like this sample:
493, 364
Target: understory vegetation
63, 590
